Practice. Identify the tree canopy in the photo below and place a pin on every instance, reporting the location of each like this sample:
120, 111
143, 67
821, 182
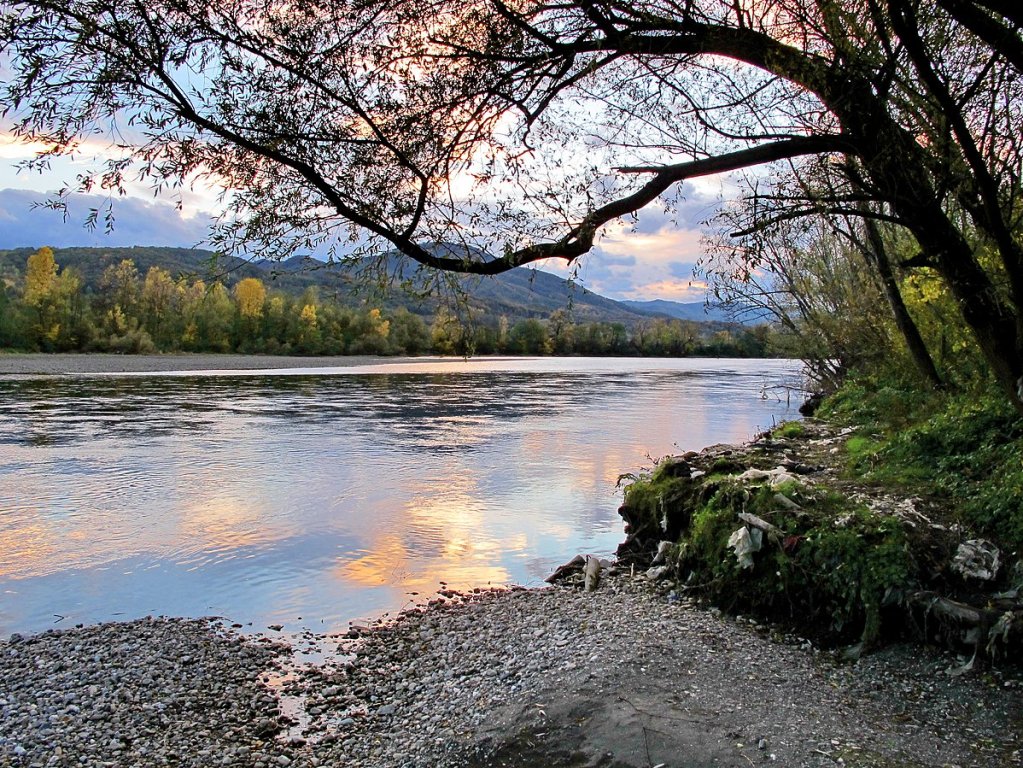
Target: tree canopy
517, 130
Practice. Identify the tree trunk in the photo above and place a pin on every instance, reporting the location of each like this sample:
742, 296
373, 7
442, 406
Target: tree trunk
878, 256
897, 169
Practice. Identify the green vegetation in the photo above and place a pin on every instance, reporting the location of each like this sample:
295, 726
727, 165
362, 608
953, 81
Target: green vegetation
842, 557
830, 563
44, 307
964, 448
925, 452
791, 429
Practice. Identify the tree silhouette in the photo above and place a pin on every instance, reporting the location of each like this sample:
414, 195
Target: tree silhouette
520, 129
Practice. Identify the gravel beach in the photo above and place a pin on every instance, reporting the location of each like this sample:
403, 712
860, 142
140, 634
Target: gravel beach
624, 676
44, 364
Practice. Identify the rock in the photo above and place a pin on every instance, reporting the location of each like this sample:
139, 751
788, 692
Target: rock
657, 572
663, 547
811, 404
673, 466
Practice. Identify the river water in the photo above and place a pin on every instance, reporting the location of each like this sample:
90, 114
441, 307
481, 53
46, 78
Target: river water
311, 498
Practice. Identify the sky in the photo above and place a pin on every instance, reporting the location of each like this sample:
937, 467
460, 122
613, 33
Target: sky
649, 258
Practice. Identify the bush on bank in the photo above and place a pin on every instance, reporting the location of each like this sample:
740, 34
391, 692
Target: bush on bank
831, 558
834, 564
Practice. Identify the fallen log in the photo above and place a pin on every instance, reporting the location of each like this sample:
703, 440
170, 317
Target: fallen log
989, 632
572, 567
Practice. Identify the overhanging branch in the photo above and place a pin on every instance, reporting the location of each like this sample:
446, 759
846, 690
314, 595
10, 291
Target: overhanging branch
731, 161
580, 238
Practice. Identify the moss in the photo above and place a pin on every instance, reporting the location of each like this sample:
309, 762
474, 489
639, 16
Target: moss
725, 466
791, 430
835, 575
658, 506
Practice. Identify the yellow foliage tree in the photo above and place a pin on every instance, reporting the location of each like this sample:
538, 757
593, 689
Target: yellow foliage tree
308, 316
159, 293
380, 326
40, 275
250, 295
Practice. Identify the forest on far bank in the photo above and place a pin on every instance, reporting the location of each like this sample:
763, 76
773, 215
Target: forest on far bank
47, 308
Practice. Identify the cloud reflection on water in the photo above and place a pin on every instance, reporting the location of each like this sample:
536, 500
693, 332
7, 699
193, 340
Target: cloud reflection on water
266, 498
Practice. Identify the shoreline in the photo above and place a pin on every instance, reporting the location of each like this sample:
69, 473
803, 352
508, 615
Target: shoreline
631, 675
74, 363
43, 364
624, 676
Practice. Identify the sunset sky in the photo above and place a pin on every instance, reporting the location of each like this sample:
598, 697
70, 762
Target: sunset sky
650, 259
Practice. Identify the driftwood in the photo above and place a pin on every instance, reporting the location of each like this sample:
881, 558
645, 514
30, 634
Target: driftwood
986, 631
784, 501
663, 548
591, 573
573, 566
773, 531
588, 565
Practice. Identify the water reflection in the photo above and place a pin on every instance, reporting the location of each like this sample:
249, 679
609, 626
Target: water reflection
268, 497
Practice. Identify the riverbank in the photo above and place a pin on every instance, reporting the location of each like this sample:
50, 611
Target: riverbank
46, 364
623, 676
634, 674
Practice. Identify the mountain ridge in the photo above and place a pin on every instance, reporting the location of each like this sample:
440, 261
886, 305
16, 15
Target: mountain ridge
518, 294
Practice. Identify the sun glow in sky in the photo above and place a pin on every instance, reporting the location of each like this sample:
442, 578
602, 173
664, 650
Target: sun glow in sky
649, 258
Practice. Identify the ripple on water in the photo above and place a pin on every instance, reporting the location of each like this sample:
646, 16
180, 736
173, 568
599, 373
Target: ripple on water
261, 495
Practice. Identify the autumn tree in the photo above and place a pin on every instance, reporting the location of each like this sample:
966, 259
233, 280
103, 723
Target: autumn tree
40, 276
517, 131
40, 297
214, 319
250, 298
159, 306
250, 295
447, 334
370, 332
120, 287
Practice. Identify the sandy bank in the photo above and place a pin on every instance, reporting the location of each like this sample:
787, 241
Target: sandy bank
60, 364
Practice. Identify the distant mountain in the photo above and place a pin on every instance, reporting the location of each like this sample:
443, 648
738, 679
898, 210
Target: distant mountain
517, 294
696, 311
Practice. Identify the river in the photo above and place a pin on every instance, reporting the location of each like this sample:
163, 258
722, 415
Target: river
313, 497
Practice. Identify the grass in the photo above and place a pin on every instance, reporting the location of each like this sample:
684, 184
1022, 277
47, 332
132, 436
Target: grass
965, 448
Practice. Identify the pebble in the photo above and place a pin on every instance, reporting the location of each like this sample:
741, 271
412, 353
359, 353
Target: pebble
420, 691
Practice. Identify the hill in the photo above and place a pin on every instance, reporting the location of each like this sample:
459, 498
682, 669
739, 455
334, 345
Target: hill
696, 311
521, 293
